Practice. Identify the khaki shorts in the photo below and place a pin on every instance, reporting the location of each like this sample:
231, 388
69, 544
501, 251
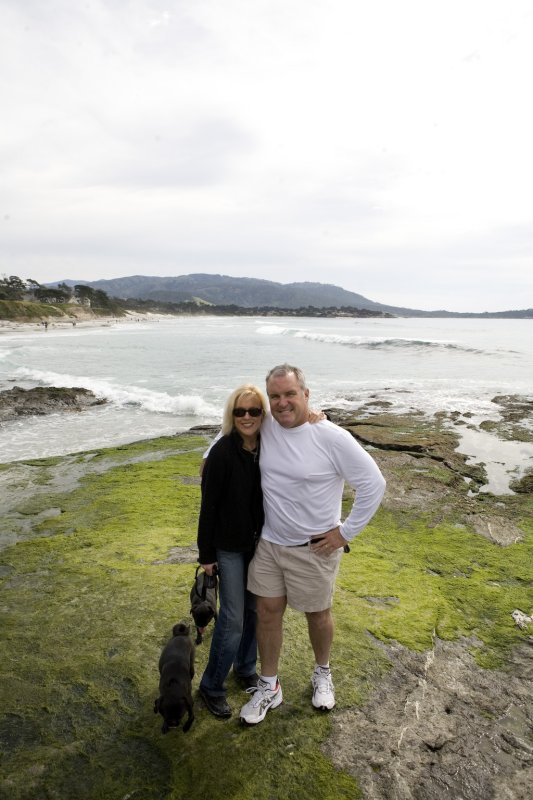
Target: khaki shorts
307, 580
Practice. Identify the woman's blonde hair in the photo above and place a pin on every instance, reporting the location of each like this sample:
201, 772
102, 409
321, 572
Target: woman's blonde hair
245, 390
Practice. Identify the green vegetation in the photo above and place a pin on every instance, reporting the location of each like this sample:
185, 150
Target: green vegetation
27, 301
24, 311
89, 601
444, 581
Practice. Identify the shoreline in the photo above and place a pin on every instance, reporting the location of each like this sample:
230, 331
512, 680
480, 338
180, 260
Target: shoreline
82, 321
493, 455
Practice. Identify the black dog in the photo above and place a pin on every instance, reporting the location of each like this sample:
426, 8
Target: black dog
176, 668
204, 597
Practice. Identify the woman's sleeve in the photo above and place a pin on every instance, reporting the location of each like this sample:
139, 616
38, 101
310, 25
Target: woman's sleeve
213, 482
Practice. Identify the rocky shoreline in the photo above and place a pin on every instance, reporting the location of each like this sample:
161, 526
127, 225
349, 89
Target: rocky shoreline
375, 425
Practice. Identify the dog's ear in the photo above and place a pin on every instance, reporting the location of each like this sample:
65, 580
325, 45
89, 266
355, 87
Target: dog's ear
156, 705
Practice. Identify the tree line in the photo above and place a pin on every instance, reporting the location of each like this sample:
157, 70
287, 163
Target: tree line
14, 288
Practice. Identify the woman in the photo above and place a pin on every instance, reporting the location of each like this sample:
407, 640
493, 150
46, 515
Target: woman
231, 517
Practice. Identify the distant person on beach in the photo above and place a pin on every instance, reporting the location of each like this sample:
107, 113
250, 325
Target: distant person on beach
303, 470
231, 518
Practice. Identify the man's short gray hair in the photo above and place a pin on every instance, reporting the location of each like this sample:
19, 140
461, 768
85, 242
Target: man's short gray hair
287, 369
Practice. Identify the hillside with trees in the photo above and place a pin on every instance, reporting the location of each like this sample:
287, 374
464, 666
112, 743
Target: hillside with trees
27, 300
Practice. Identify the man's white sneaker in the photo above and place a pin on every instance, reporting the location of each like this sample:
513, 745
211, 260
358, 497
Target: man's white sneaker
323, 690
263, 698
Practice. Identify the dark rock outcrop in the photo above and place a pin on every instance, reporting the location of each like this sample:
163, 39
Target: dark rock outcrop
523, 485
18, 402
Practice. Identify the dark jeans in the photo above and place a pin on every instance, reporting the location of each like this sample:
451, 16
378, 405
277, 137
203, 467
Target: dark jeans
233, 641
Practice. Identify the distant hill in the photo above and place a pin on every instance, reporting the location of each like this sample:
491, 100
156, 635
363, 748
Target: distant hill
225, 290
253, 293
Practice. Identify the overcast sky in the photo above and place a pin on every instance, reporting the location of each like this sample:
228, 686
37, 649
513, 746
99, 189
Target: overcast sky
382, 146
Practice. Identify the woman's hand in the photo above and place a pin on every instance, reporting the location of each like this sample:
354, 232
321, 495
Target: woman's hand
315, 416
209, 569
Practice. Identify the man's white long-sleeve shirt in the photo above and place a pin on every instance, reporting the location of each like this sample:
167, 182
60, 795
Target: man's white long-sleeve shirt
303, 471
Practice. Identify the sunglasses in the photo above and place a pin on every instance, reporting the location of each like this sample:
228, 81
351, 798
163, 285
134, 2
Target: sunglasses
253, 412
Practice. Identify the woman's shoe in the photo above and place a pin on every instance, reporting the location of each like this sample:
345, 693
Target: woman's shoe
216, 704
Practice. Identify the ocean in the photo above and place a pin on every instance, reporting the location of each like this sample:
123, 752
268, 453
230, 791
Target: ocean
162, 375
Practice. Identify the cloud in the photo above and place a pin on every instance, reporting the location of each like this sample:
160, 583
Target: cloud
384, 147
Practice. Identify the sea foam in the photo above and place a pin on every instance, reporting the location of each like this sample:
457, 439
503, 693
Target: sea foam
158, 402
367, 342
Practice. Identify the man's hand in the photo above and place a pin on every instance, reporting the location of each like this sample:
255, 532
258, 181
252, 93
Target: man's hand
315, 416
329, 542
209, 569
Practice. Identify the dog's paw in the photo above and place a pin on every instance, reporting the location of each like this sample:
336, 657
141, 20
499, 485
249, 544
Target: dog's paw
188, 724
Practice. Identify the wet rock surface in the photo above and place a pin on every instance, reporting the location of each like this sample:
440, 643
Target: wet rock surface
523, 485
516, 418
18, 402
438, 726
414, 434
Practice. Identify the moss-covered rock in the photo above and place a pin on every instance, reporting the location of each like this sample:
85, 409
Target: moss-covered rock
515, 418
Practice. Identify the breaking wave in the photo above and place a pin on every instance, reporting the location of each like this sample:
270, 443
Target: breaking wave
366, 342
157, 402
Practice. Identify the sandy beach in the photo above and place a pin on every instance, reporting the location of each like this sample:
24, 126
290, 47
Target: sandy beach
81, 320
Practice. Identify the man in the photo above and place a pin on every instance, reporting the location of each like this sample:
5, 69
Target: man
303, 470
